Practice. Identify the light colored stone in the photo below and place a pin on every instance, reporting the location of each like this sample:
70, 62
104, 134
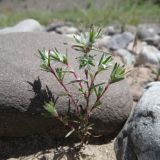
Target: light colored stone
27, 25
102, 43
70, 35
148, 54
137, 78
136, 47
127, 57
66, 30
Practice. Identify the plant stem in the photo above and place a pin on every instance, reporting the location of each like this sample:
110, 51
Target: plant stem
89, 90
67, 91
77, 78
99, 97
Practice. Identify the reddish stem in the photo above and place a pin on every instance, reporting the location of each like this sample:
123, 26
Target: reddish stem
99, 97
67, 91
77, 78
89, 89
86, 73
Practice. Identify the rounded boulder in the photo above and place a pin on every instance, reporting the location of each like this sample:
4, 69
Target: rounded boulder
24, 88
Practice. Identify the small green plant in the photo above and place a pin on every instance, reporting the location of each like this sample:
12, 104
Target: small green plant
80, 124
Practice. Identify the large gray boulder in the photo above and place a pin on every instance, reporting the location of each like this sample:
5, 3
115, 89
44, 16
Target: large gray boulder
140, 137
23, 89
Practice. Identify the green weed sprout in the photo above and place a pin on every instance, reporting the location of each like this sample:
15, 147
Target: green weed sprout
86, 87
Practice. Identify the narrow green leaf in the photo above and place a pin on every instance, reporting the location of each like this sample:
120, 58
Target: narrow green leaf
91, 75
95, 90
107, 60
76, 81
69, 133
60, 73
81, 91
101, 60
118, 73
100, 90
44, 67
99, 84
42, 55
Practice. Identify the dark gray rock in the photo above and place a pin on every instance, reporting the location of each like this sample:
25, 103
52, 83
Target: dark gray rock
65, 30
120, 41
112, 30
57, 24
140, 137
155, 41
23, 89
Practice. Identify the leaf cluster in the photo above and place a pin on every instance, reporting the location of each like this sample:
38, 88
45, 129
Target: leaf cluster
118, 73
85, 41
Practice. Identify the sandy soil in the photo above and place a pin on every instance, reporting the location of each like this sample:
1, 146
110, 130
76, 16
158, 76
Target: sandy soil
46, 148
91, 152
